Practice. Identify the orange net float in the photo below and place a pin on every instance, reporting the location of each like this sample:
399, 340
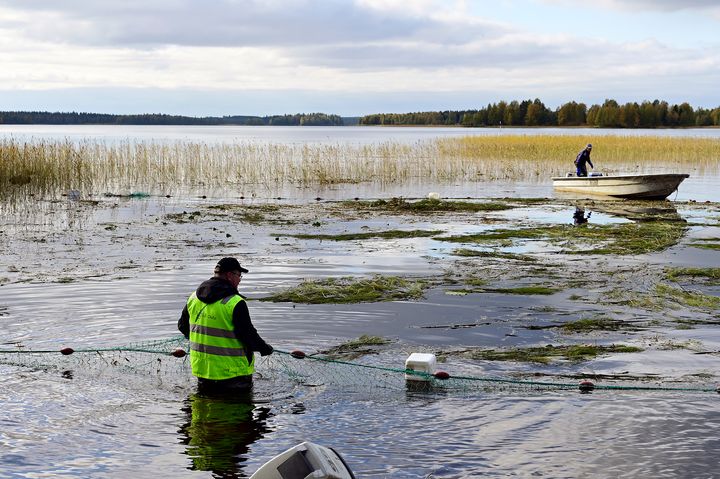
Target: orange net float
586, 386
297, 354
179, 353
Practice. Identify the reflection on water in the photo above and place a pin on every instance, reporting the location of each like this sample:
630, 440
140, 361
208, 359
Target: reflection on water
640, 210
579, 217
219, 431
53, 427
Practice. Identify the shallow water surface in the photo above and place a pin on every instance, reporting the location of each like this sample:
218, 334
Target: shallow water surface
84, 428
306, 135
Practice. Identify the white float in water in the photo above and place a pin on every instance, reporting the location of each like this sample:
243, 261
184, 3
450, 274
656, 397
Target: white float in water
422, 363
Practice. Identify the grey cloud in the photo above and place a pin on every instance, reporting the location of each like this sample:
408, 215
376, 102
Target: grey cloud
220, 23
344, 35
426, 55
332, 33
335, 33
649, 5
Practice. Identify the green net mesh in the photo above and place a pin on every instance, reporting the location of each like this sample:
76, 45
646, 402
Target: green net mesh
165, 361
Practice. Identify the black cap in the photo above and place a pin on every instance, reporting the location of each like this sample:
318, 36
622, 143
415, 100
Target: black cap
226, 265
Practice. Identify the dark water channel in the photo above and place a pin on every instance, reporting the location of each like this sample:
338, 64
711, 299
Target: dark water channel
91, 285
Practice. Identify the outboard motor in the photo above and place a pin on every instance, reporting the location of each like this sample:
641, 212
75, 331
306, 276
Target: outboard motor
305, 461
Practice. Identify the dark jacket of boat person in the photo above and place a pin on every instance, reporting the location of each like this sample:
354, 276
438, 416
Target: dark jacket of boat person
222, 337
582, 158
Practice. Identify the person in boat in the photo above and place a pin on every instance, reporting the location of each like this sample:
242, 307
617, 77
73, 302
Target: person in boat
222, 337
583, 158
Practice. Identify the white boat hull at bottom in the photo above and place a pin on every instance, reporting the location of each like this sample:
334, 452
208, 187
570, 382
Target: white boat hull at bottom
648, 187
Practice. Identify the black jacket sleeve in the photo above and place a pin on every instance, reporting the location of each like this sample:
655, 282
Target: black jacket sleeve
184, 323
246, 332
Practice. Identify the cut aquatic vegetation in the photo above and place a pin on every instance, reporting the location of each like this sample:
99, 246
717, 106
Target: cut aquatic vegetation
528, 201
388, 234
692, 299
402, 205
470, 253
523, 290
253, 214
355, 348
624, 238
706, 244
479, 285
545, 354
183, 217
600, 323
711, 275
635, 299
351, 290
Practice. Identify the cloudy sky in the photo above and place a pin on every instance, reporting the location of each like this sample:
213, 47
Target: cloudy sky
352, 57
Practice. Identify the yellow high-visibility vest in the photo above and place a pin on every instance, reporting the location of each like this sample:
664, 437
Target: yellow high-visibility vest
215, 352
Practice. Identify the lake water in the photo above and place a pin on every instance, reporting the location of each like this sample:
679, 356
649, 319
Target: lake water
83, 275
298, 135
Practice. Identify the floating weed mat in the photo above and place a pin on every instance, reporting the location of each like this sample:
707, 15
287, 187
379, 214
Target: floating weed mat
709, 275
620, 239
423, 206
389, 234
165, 360
351, 290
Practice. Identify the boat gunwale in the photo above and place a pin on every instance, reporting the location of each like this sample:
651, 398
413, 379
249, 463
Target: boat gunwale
604, 177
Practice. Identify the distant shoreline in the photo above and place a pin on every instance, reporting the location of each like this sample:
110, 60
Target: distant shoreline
355, 124
449, 119
83, 118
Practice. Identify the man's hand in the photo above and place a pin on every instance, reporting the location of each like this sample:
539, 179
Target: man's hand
267, 351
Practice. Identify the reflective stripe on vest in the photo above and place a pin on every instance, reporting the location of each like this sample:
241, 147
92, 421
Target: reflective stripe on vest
215, 352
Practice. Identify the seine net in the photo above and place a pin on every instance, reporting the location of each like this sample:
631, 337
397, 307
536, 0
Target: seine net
148, 358
166, 361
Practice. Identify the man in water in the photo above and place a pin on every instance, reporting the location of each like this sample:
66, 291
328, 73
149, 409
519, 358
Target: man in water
582, 158
222, 337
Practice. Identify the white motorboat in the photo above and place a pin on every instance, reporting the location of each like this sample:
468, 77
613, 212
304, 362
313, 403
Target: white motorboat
643, 187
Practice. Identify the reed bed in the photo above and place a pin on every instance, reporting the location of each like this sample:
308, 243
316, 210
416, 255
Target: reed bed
52, 167
524, 157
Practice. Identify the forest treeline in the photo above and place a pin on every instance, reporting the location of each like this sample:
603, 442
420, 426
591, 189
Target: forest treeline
611, 114
74, 118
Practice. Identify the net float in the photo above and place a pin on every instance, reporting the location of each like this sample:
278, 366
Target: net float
297, 354
586, 386
67, 351
179, 353
442, 375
